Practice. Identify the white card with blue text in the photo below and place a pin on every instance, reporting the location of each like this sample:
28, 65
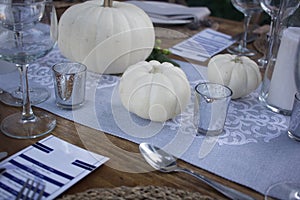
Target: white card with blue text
52, 162
203, 45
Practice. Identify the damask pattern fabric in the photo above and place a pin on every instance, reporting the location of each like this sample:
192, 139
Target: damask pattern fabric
254, 149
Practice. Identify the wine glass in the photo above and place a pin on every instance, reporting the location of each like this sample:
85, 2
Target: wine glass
279, 10
272, 8
28, 31
14, 96
284, 190
248, 8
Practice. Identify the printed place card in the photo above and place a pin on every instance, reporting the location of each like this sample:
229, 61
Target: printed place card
203, 45
52, 162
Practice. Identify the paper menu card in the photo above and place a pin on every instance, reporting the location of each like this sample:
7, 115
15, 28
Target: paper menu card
53, 162
203, 45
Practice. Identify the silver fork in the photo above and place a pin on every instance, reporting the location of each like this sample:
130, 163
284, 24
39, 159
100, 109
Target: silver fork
31, 190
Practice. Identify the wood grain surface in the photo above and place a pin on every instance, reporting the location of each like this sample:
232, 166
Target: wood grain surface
126, 167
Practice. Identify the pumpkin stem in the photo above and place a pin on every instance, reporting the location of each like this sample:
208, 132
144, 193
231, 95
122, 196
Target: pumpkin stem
154, 70
107, 3
237, 59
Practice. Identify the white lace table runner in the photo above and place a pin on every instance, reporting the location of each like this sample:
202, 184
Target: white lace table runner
254, 149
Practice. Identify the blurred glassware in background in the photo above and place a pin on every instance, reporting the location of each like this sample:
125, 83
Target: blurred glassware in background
297, 69
271, 7
294, 126
248, 8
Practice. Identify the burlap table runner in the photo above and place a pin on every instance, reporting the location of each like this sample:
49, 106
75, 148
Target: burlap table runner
136, 193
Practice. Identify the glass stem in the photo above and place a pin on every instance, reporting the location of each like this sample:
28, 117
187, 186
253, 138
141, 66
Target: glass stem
271, 38
19, 89
247, 19
20, 81
27, 114
19, 42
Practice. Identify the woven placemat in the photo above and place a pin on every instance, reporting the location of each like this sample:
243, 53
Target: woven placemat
136, 193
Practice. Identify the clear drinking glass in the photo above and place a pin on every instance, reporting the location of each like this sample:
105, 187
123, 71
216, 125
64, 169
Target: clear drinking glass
281, 10
69, 84
294, 124
248, 8
297, 69
210, 108
28, 31
272, 7
283, 190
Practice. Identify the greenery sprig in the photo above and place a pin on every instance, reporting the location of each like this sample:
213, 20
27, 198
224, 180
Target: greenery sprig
160, 54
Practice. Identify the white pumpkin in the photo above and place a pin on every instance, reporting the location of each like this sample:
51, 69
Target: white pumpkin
154, 90
239, 73
107, 36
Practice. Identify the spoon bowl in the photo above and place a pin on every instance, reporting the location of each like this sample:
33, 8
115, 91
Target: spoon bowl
157, 158
165, 162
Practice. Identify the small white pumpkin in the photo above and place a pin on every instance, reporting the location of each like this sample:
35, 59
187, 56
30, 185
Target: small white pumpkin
239, 73
154, 90
107, 36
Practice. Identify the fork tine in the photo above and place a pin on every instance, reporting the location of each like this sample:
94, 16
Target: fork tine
34, 190
30, 186
42, 189
38, 191
22, 190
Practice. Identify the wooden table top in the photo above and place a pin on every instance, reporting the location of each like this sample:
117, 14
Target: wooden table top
108, 175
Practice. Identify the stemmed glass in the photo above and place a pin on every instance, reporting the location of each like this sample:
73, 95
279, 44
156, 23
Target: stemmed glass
28, 31
280, 10
248, 8
272, 8
14, 96
284, 190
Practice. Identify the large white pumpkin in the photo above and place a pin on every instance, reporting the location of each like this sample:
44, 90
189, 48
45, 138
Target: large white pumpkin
154, 90
239, 73
107, 36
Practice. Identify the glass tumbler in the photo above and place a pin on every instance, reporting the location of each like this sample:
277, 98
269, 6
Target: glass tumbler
210, 108
69, 84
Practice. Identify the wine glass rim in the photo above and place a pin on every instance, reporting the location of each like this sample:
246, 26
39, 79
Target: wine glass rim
286, 182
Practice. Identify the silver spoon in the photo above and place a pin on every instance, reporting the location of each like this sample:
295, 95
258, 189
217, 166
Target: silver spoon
164, 162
